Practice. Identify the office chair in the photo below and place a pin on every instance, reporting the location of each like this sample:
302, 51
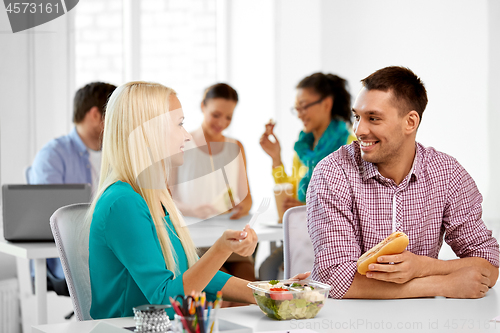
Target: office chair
298, 250
71, 235
27, 174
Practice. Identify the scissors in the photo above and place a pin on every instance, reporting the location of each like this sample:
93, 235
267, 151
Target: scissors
186, 303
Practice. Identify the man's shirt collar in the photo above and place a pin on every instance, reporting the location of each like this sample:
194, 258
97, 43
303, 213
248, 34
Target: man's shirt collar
370, 170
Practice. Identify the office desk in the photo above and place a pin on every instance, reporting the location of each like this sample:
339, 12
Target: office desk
204, 233
407, 315
38, 252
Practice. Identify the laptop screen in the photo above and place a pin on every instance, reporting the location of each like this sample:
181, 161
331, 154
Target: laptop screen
27, 208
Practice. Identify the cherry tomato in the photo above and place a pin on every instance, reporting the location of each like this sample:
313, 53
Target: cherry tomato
280, 294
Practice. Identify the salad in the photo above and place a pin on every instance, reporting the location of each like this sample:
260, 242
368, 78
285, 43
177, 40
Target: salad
290, 299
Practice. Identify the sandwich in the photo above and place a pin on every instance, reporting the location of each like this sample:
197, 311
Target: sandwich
395, 243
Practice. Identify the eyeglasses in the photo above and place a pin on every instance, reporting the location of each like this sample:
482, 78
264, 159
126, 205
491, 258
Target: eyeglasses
296, 110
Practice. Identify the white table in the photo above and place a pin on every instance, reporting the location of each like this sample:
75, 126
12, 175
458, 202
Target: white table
38, 252
204, 233
407, 315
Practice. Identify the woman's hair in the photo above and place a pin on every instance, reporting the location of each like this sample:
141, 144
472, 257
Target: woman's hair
220, 90
331, 85
134, 151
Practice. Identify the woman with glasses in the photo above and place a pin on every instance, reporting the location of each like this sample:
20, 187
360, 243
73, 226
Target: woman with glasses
323, 104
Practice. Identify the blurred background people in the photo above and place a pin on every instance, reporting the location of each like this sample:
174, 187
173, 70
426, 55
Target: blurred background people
201, 188
323, 104
76, 158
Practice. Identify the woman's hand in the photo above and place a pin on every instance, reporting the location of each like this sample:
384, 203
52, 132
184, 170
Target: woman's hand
290, 203
242, 242
198, 276
272, 149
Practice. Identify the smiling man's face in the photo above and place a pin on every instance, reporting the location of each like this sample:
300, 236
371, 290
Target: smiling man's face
379, 126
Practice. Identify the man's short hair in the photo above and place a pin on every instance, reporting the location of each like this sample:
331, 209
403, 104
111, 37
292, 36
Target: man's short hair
407, 88
92, 94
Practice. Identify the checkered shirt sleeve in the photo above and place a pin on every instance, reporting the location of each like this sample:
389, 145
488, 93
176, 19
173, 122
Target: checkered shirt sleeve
330, 223
465, 231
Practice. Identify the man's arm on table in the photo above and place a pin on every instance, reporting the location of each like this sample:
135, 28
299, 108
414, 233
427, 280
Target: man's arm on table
467, 282
408, 266
460, 278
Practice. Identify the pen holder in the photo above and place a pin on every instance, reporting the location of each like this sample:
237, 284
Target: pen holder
188, 324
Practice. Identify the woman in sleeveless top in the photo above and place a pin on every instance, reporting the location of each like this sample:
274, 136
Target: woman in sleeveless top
213, 163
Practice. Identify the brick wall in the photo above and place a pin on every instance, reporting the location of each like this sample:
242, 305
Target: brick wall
178, 46
98, 42
179, 49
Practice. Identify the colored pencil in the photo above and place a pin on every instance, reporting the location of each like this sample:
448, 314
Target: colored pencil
177, 310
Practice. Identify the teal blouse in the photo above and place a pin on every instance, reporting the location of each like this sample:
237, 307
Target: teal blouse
126, 264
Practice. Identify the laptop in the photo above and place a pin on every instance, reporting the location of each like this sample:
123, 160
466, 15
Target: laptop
27, 208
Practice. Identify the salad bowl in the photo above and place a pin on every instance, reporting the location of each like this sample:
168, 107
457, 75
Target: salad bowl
290, 299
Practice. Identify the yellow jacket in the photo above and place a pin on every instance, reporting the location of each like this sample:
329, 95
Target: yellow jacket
298, 171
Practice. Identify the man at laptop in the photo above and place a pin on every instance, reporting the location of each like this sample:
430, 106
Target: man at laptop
74, 158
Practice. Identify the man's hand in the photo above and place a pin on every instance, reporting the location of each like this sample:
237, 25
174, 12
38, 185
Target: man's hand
467, 282
397, 268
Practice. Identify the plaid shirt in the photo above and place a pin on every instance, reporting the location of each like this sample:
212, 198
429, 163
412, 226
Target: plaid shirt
351, 207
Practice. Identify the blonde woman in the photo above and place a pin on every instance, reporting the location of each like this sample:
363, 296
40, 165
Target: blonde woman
140, 252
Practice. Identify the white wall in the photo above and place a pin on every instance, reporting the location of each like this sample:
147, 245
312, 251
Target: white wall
492, 198
298, 54
35, 92
33, 98
445, 43
251, 72
453, 45
35, 106
272, 46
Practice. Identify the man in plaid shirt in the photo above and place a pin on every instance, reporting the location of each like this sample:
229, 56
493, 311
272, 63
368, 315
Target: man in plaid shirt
387, 182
